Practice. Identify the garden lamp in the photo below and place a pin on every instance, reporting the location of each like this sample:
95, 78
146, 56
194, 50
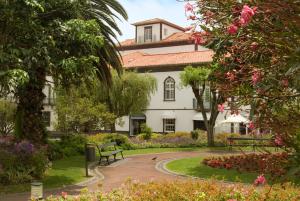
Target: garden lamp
37, 190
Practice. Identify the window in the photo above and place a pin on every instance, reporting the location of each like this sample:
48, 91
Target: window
169, 125
148, 34
169, 89
198, 124
47, 118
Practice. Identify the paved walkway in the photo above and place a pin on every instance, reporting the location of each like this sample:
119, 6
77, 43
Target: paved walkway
140, 168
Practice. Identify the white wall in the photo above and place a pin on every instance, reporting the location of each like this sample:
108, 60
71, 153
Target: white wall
155, 32
50, 108
182, 107
170, 31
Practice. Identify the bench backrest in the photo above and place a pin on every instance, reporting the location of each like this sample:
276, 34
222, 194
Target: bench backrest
103, 146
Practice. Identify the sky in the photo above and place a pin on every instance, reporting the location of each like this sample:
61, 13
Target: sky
139, 10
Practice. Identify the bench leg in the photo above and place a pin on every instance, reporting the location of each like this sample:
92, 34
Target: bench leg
100, 160
122, 154
107, 160
115, 155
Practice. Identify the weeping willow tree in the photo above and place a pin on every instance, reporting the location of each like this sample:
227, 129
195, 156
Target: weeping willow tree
128, 94
70, 40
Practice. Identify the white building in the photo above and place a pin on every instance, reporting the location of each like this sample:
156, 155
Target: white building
163, 49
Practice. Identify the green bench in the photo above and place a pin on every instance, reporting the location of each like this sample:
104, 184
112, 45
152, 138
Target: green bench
106, 154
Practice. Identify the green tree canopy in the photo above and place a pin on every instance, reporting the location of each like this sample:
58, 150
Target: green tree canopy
78, 111
201, 79
70, 40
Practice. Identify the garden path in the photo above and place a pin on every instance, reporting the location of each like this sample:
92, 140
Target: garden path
140, 168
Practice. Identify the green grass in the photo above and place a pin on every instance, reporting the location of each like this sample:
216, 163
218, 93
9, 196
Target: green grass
159, 150
63, 172
194, 167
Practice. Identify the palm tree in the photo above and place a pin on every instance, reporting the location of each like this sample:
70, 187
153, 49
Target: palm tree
105, 12
35, 39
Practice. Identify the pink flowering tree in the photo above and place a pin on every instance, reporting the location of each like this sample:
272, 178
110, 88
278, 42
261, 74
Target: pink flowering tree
257, 46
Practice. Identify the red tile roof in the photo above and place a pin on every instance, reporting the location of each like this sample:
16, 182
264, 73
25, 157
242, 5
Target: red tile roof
142, 60
175, 37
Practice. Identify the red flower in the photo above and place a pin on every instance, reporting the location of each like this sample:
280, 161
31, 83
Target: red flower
256, 77
247, 14
230, 76
260, 180
64, 195
198, 39
251, 125
278, 141
232, 29
285, 82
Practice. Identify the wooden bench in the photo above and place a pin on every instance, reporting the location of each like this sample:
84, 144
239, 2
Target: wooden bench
107, 154
252, 142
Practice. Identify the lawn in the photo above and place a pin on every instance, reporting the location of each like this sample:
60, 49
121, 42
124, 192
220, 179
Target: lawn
63, 172
194, 167
159, 150
72, 170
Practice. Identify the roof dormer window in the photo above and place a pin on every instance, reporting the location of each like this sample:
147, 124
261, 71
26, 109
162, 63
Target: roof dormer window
148, 34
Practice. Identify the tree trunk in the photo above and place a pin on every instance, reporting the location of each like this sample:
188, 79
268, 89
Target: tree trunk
29, 120
113, 127
210, 135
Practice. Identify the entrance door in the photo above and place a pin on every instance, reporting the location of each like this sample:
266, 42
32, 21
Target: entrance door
136, 122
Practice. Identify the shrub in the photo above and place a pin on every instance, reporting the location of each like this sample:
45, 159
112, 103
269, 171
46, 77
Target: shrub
195, 135
273, 164
188, 190
68, 145
21, 162
147, 132
120, 139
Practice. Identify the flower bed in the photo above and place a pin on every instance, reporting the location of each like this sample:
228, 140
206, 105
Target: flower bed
274, 164
21, 162
188, 191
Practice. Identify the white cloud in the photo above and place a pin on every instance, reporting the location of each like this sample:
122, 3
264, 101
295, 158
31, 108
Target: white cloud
139, 10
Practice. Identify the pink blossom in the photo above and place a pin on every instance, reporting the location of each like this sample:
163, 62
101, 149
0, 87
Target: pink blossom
256, 77
221, 108
285, 82
189, 7
230, 76
198, 39
232, 200
251, 125
278, 141
64, 195
232, 29
260, 180
247, 14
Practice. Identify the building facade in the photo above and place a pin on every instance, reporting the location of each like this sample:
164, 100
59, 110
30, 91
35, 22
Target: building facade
164, 49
